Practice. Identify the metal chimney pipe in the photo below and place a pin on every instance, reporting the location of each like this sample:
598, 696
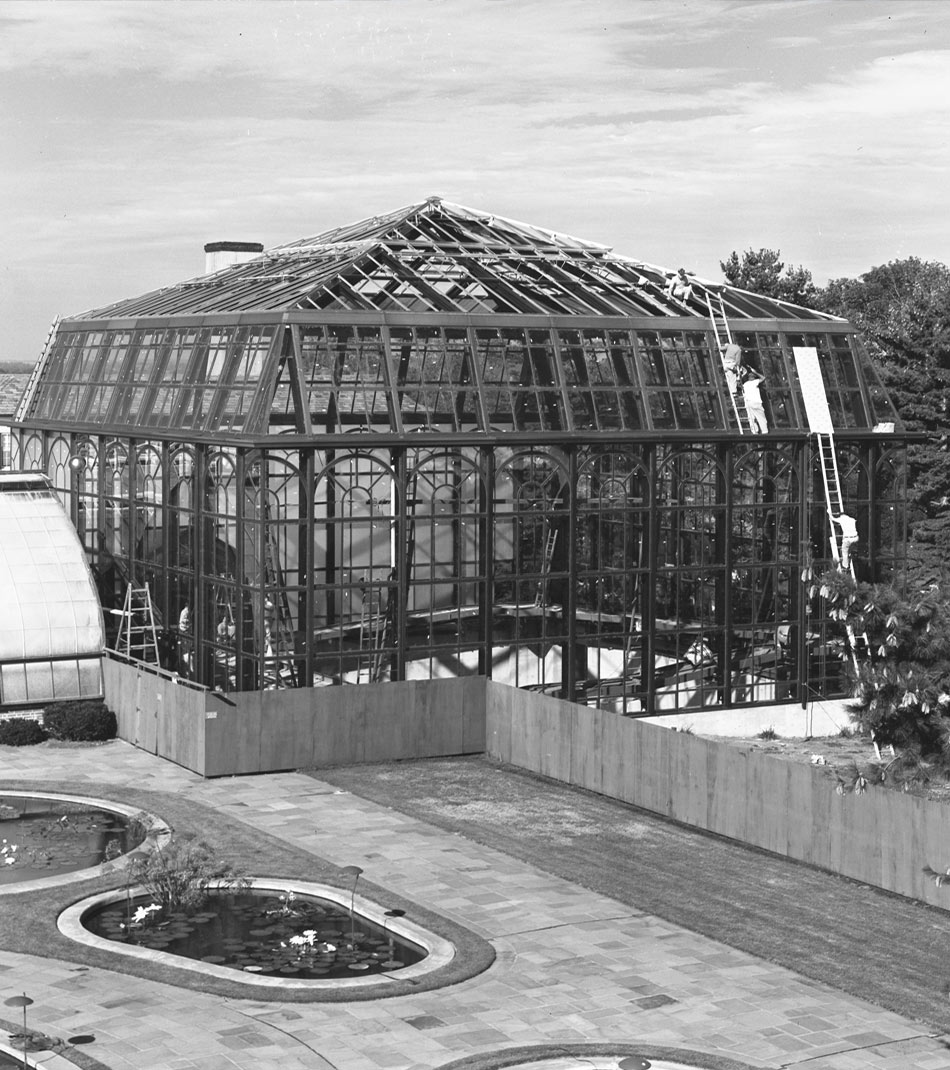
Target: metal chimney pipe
225, 254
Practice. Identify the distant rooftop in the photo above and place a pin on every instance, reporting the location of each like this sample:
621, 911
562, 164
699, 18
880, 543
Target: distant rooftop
12, 385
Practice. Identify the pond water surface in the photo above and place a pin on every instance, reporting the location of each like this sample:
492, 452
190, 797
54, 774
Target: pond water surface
271, 935
41, 837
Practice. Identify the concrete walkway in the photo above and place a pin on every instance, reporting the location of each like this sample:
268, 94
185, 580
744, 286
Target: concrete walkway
571, 967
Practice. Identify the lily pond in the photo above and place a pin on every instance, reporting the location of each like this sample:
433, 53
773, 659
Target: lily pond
41, 837
272, 935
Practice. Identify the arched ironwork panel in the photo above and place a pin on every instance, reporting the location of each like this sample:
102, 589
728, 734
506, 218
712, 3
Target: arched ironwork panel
690, 639
532, 509
612, 557
354, 550
444, 562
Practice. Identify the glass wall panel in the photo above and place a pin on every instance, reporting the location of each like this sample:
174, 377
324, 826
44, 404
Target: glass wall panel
354, 590
344, 370
613, 579
435, 383
445, 513
520, 384
531, 570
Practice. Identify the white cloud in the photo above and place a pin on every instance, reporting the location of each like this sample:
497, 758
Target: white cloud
673, 131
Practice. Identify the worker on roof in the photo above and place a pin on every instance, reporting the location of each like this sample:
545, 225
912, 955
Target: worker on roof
679, 287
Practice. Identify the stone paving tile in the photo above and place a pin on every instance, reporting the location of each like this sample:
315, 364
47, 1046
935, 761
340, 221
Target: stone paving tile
570, 965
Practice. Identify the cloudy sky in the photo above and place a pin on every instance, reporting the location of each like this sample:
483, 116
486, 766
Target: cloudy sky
131, 133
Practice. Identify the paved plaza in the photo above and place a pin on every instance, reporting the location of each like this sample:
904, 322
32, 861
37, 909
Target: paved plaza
572, 968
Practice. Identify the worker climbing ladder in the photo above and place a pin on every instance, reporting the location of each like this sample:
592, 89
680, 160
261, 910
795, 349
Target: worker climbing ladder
138, 636
717, 315
547, 559
820, 424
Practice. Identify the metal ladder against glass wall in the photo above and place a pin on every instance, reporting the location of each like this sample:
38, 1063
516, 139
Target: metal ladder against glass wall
283, 642
138, 636
834, 504
550, 542
717, 314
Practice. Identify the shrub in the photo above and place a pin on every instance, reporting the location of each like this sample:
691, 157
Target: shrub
182, 875
82, 721
21, 732
768, 733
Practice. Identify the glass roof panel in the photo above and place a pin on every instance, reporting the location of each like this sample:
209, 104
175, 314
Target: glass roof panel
51, 620
436, 260
441, 257
176, 377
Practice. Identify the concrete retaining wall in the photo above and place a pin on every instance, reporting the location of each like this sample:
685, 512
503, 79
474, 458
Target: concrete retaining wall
882, 838
259, 732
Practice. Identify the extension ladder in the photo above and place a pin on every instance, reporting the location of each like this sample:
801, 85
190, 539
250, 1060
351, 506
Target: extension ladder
717, 315
138, 637
546, 560
373, 621
834, 504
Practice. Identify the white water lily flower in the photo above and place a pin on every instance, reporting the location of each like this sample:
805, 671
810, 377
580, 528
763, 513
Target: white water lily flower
141, 913
297, 941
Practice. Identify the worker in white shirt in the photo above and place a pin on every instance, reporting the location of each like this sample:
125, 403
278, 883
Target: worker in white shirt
849, 536
754, 407
731, 360
679, 287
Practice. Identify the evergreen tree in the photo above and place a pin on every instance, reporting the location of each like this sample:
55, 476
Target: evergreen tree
902, 310
902, 682
761, 272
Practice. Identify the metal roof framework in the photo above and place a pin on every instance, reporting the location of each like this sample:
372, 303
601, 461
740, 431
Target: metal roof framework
432, 315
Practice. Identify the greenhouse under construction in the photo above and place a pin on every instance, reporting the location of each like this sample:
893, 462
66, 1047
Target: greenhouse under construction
441, 443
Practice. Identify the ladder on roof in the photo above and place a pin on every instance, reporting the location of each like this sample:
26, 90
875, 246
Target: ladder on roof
550, 542
717, 315
27, 397
834, 504
138, 636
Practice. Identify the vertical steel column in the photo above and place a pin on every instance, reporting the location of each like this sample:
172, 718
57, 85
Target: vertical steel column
804, 542
305, 557
244, 679
130, 510
569, 603
486, 557
201, 612
648, 614
400, 590
329, 528
725, 535
303, 676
